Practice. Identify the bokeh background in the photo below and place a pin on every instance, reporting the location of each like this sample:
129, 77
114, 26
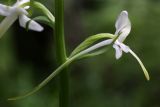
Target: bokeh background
26, 58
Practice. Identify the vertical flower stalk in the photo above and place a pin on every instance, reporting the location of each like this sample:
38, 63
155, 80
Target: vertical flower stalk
61, 53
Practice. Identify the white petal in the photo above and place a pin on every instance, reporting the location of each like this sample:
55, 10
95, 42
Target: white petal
118, 51
124, 33
141, 64
23, 19
5, 10
21, 11
123, 26
123, 46
97, 46
122, 20
6, 23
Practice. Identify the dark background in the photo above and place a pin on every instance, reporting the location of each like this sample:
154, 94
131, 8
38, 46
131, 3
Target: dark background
26, 58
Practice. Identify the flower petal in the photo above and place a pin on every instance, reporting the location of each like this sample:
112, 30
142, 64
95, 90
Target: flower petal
123, 26
23, 19
20, 11
7, 22
122, 21
141, 64
5, 10
97, 46
118, 51
124, 33
123, 46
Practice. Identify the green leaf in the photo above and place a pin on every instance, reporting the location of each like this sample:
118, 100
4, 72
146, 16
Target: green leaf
90, 41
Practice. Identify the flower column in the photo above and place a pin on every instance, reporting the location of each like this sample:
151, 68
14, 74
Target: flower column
61, 53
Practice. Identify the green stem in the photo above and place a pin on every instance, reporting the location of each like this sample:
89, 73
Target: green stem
61, 53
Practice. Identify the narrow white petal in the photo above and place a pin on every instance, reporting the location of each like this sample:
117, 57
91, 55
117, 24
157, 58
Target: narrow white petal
141, 64
5, 10
118, 51
123, 26
97, 46
6, 23
124, 47
21, 11
35, 26
23, 19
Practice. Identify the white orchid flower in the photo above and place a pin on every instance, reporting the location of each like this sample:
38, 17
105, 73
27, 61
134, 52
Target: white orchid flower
15, 12
123, 28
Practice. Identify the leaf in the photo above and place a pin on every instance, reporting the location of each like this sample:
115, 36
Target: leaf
90, 41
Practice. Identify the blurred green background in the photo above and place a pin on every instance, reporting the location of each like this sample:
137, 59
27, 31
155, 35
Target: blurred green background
26, 58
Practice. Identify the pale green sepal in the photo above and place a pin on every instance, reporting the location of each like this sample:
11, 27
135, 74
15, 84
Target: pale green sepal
43, 19
40, 7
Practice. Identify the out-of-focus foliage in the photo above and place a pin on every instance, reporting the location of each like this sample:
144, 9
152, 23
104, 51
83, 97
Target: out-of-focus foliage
26, 58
